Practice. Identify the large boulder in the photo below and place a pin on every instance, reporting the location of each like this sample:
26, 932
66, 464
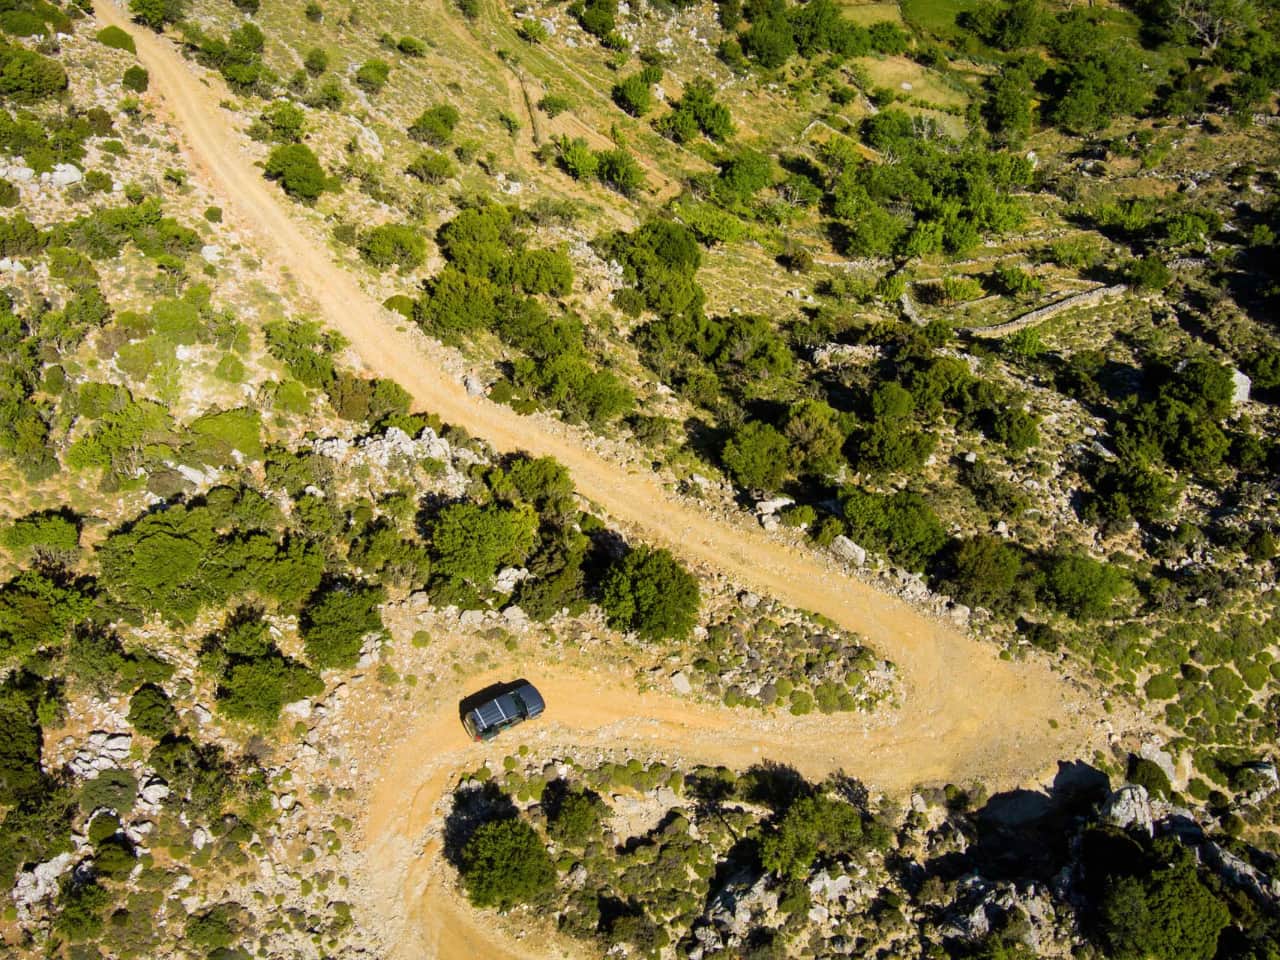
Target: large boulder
848, 551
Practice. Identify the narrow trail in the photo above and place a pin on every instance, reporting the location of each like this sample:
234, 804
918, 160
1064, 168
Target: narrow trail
966, 713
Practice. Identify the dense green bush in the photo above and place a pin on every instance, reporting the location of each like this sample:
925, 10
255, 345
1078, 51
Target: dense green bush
1081, 586
136, 78
1168, 913
697, 111
1147, 773
393, 244
901, 524
281, 121
435, 125
156, 13
814, 829
470, 541
116, 39
151, 713
298, 171
504, 863
757, 456
336, 620
649, 592
431, 166
52, 537
26, 76
372, 75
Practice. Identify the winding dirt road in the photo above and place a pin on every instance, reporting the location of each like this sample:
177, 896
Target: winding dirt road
966, 714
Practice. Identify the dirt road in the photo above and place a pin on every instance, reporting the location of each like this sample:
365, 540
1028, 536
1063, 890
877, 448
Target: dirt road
966, 714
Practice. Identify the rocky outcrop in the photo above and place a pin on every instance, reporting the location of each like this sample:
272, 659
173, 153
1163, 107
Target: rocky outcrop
1130, 809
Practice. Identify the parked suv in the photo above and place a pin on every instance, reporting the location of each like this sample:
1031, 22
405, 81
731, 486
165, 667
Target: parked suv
490, 718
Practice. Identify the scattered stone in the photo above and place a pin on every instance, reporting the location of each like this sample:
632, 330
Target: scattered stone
848, 551
301, 709
680, 683
65, 174
509, 578
211, 253
288, 801
154, 791
475, 386
767, 508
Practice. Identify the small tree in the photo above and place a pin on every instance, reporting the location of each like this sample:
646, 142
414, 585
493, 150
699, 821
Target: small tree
435, 125
431, 166
298, 171
757, 456
281, 122
504, 863
1169, 914
633, 95
156, 13
393, 244
648, 591
151, 713
316, 61
336, 620
1082, 586
136, 79
372, 75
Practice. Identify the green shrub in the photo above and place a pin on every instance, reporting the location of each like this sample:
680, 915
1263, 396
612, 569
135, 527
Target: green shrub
1148, 273
26, 76
554, 104
757, 456
815, 829
298, 171
1161, 686
504, 863
335, 621
1167, 913
151, 713
412, 47
648, 591
156, 13
316, 61
393, 244
280, 122
1147, 773
1082, 586
372, 75
431, 166
116, 39
53, 536
435, 125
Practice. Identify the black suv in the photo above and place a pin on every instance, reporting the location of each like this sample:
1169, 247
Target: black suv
491, 717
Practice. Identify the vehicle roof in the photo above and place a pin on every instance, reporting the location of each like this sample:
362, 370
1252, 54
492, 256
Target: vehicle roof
533, 701
505, 706
497, 710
